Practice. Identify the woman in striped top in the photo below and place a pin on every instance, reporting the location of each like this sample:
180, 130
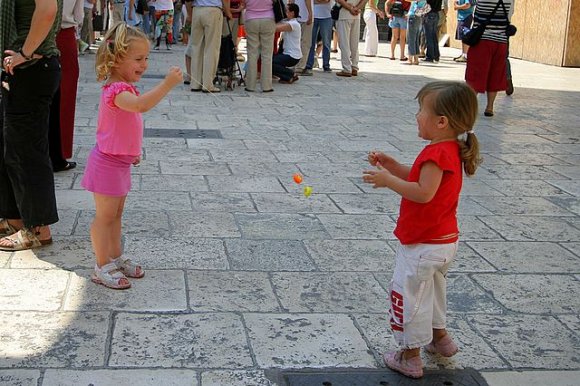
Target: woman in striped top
486, 62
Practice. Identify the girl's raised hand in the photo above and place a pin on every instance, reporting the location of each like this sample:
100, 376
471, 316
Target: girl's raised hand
174, 76
379, 178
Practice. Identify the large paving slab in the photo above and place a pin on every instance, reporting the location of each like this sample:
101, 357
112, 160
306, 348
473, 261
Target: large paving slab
307, 340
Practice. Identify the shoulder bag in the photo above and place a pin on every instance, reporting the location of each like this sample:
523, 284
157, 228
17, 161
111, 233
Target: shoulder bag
473, 36
335, 11
279, 10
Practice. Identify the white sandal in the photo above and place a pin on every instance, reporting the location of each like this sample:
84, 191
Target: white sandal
129, 268
110, 276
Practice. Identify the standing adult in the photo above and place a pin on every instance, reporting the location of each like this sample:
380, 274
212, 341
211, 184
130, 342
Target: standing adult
30, 78
163, 22
87, 34
116, 11
260, 28
464, 10
322, 25
430, 26
291, 51
205, 41
63, 106
371, 33
486, 62
396, 11
348, 28
305, 19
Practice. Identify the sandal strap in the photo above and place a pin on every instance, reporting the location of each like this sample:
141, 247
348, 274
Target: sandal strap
21, 240
127, 266
6, 229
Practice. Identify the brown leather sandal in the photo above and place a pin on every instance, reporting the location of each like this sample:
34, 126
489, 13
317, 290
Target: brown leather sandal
24, 239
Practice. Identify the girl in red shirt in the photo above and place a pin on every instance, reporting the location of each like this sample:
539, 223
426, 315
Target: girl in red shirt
427, 224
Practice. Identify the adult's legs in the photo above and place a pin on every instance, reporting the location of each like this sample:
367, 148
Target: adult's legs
253, 47
326, 34
394, 40
281, 64
371, 33
212, 20
197, 41
305, 43
354, 38
430, 25
267, 30
311, 52
402, 42
26, 177
343, 29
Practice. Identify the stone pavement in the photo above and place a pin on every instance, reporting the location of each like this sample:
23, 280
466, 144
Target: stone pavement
245, 273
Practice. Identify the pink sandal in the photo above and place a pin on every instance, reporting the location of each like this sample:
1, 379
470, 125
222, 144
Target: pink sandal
444, 346
412, 367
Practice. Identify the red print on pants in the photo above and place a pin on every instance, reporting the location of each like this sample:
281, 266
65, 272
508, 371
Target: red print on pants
396, 311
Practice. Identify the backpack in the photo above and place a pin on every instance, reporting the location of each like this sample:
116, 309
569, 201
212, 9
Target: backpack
396, 9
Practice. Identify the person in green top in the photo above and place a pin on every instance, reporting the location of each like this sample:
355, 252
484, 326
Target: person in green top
30, 77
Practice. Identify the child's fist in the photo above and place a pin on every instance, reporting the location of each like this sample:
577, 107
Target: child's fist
373, 158
174, 76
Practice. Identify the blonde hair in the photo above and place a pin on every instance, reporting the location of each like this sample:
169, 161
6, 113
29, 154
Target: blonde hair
458, 103
114, 47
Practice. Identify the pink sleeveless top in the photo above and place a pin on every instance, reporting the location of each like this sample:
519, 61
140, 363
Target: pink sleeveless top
119, 132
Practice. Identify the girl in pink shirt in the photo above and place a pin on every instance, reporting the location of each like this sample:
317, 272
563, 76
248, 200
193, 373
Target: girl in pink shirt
121, 61
427, 225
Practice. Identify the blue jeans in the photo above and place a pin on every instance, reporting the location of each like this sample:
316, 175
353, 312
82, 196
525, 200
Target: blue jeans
324, 26
413, 34
280, 64
430, 22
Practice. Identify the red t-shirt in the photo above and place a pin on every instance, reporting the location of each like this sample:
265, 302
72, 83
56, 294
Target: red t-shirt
434, 222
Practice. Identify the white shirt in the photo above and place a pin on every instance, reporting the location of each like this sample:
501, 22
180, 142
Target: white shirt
72, 13
322, 11
163, 5
292, 39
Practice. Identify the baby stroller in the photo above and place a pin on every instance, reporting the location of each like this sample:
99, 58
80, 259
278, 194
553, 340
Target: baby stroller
226, 71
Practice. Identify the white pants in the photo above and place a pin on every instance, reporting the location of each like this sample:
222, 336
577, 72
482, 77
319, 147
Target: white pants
371, 34
418, 293
348, 33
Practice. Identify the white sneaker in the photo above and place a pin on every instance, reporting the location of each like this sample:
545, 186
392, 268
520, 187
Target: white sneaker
83, 47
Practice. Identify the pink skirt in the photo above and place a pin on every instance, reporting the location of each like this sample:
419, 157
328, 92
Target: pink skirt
108, 174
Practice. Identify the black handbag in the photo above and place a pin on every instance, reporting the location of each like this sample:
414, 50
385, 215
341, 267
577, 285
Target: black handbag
98, 24
335, 11
279, 10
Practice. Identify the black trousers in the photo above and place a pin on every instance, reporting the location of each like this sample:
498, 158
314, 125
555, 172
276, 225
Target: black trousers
26, 177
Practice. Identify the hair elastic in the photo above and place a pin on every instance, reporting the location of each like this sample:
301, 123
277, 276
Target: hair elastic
470, 131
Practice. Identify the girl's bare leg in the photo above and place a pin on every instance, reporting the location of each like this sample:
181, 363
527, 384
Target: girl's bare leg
103, 226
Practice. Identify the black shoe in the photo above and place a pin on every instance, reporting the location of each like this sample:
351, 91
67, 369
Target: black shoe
66, 166
510, 87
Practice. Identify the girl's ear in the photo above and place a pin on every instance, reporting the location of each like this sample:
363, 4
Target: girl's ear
442, 122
